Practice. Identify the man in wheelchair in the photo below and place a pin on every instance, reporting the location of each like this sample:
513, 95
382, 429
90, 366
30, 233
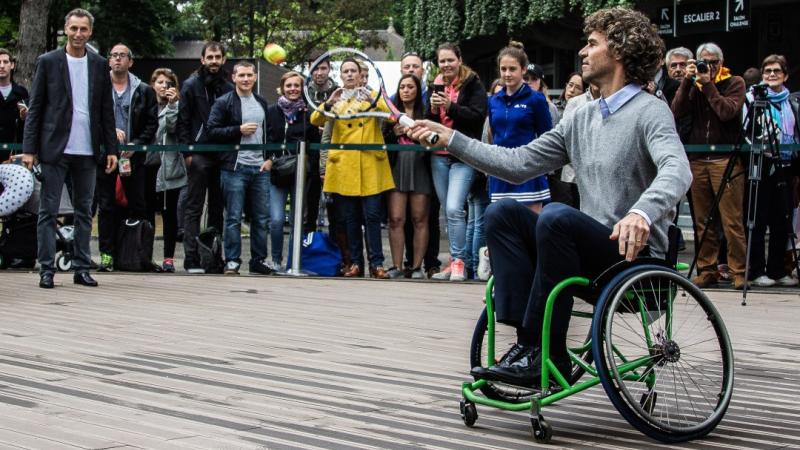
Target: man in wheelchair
631, 172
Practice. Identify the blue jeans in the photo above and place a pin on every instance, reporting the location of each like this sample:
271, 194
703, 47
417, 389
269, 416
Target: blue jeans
245, 181
371, 206
476, 238
277, 212
452, 181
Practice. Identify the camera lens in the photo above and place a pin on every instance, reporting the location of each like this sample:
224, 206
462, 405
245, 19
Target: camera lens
702, 67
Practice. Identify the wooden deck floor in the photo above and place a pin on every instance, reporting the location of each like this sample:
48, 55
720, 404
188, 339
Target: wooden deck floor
163, 362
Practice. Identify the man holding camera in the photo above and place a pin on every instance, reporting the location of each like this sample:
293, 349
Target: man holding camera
136, 119
712, 98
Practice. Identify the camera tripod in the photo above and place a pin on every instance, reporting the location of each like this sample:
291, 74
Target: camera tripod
763, 142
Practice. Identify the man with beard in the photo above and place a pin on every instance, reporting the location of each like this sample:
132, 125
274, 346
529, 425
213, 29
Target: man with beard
197, 95
13, 104
136, 118
624, 206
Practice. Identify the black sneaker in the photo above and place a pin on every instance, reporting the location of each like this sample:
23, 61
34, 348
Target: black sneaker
260, 268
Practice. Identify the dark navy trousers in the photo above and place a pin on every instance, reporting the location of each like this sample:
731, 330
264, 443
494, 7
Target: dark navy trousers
530, 253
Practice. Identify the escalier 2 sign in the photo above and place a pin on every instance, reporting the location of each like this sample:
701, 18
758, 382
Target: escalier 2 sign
684, 18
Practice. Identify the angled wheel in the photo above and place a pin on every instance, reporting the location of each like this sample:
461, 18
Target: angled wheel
469, 413
663, 354
541, 430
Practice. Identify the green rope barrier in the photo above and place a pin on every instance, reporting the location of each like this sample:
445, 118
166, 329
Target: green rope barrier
692, 148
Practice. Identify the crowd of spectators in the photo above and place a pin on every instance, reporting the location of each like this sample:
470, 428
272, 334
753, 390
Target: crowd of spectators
403, 190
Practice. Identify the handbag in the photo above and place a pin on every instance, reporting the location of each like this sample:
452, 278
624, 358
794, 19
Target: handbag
284, 167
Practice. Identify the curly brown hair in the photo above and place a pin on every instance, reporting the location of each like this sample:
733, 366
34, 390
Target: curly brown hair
633, 37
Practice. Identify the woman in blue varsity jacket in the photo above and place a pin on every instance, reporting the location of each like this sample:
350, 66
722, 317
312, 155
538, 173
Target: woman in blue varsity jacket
518, 115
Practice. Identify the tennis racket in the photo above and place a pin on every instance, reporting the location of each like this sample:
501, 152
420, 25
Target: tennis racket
365, 98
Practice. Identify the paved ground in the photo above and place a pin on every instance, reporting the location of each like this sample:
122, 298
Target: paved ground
158, 361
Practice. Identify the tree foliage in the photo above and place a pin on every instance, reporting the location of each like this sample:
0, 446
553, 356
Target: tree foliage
302, 27
426, 23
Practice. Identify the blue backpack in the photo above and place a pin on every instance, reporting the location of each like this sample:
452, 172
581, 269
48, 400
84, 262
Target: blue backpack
318, 256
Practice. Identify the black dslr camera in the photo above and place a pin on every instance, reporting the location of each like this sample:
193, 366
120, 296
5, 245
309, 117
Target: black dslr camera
760, 91
702, 66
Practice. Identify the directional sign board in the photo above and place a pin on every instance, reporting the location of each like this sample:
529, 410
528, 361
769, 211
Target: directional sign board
666, 20
738, 14
706, 17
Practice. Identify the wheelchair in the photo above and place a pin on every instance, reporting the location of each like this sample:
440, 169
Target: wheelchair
650, 337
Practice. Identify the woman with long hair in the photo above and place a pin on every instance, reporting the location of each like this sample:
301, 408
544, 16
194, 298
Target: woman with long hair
288, 123
573, 88
413, 186
518, 115
457, 99
357, 177
171, 177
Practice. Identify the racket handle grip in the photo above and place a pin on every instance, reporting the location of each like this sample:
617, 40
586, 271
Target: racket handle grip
408, 122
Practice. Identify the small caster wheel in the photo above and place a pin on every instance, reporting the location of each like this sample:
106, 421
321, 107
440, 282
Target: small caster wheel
468, 413
64, 263
542, 431
648, 402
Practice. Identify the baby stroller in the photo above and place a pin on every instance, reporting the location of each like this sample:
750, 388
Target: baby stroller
18, 216
19, 206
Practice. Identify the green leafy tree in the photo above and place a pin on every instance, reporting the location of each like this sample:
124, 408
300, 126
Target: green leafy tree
139, 24
426, 23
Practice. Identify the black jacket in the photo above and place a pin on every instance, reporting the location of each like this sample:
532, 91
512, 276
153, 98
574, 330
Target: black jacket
11, 126
143, 116
469, 112
195, 106
47, 126
667, 85
224, 122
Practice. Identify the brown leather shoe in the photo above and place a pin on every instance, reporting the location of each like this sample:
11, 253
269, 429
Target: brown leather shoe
738, 282
379, 272
352, 271
705, 280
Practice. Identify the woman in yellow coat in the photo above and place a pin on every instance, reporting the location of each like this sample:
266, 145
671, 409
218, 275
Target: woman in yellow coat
356, 178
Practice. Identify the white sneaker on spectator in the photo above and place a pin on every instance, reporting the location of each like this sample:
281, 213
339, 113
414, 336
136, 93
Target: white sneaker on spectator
764, 281
273, 266
232, 268
395, 273
457, 270
196, 271
418, 274
444, 275
484, 267
787, 280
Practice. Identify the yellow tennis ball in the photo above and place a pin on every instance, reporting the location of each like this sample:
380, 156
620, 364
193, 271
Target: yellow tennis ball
274, 54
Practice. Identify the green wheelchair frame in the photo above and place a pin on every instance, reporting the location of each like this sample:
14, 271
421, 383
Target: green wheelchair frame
641, 369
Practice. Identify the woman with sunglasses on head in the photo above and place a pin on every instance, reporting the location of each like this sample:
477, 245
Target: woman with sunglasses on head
775, 204
171, 176
288, 123
456, 99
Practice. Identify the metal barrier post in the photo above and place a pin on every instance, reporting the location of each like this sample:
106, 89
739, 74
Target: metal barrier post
298, 196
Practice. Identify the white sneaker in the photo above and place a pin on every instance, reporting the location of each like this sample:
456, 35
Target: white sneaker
444, 275
787, 280
232, 268
418, 275
457, 270
196, 271
273, 266
764, 281
484, 267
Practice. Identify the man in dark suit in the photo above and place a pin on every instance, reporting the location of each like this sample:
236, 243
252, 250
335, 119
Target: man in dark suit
70, 129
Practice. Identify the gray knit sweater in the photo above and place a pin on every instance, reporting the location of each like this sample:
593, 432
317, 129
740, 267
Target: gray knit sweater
631, 160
